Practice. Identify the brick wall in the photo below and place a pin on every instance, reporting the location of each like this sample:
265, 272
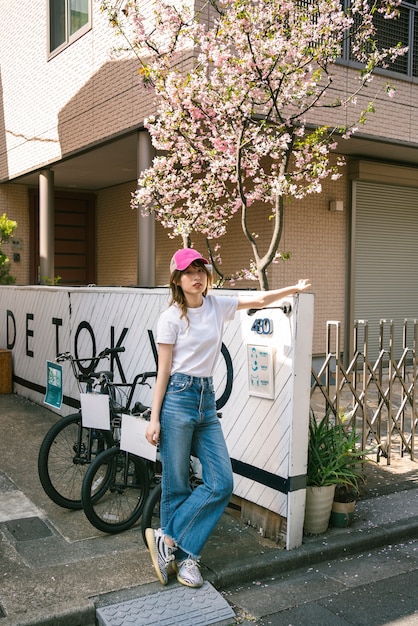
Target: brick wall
116, 232
394, 118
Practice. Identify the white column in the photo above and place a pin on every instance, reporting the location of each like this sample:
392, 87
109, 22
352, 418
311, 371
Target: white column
146, 225
46, 227
299, 425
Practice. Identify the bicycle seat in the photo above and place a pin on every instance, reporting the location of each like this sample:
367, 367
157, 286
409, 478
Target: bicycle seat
139, 408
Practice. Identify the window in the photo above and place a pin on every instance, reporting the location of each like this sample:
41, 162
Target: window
403, 30
68, 20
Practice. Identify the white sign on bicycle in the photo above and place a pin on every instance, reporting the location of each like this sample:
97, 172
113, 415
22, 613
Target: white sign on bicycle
95, 411
133, 437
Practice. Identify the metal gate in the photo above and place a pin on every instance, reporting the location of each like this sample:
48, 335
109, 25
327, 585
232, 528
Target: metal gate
376, 395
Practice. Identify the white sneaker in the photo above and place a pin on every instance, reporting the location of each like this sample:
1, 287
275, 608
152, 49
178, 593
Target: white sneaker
161, 554
188, 573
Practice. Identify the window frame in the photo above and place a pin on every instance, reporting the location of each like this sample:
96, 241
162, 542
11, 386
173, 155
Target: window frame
69, 39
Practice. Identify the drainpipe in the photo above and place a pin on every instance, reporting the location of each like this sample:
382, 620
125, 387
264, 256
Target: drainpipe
146, 225
46, 227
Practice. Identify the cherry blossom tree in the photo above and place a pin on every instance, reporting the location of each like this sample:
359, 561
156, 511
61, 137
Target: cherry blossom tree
239, 85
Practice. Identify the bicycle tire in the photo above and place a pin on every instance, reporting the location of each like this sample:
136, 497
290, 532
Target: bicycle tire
64, 455
114, 490
151, 512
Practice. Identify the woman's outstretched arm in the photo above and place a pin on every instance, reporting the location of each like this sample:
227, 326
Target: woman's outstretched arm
263, 299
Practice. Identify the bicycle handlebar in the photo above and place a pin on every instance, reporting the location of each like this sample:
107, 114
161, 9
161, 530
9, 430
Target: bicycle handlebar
146, 375
108, 351
67, 356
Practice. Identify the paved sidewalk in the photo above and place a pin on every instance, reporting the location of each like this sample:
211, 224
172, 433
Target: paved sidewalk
56, 569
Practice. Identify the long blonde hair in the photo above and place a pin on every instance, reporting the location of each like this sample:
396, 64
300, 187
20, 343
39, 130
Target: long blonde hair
177, 294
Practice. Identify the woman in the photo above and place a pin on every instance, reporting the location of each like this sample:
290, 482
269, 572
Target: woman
183, 414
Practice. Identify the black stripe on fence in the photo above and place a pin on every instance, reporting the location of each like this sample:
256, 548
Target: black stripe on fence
278, 483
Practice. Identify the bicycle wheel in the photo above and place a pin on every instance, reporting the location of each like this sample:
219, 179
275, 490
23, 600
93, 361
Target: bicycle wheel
64, 455
151, 512
114, 490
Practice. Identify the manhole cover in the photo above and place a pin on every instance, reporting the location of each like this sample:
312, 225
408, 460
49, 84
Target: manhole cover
28, 528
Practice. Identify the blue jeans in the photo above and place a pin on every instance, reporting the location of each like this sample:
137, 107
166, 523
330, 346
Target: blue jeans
189, 425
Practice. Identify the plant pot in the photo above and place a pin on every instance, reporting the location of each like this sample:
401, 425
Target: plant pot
342, 514
318, 509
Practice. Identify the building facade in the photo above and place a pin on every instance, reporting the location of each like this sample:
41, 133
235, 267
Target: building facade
72, 144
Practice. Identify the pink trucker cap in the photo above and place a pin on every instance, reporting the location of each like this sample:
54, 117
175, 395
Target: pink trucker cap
182, 259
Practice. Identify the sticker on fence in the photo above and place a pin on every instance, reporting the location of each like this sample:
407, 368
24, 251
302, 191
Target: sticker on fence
95, 410
133, 437
260, 371
53, 395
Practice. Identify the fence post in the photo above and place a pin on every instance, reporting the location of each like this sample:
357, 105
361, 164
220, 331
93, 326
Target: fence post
390, 392
365, 364
328, 372
337, 367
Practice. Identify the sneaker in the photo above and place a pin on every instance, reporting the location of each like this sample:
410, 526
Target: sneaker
188, 573
162, 555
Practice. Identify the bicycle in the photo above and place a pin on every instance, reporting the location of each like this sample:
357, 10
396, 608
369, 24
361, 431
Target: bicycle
120, 486
69, 447
117, 483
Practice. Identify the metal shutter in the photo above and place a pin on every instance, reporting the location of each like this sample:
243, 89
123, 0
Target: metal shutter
386, 257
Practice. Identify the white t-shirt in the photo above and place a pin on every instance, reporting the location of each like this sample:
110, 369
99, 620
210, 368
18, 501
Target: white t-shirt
197, 344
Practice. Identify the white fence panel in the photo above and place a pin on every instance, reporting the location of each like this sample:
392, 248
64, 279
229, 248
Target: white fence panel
263, 375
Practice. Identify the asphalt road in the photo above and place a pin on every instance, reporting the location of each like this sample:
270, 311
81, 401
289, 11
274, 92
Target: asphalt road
376, 588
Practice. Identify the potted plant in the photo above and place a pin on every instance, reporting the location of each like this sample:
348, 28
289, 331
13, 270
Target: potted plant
346, 493
343, 506
334, 466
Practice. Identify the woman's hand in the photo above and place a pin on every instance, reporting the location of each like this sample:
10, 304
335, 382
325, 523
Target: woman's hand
303, 284
152, 433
